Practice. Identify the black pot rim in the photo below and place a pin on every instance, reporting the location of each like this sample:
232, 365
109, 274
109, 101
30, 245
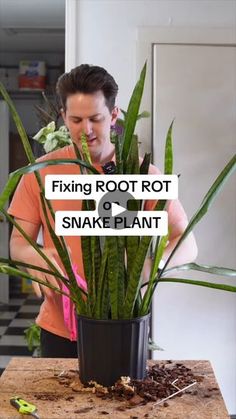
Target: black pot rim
116, 321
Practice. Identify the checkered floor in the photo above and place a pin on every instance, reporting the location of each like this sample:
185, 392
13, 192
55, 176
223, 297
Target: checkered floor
14, 319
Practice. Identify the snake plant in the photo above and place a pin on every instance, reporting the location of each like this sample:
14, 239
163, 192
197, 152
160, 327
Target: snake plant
113, 265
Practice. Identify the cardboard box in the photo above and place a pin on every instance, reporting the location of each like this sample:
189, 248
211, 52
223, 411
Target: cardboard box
32, 75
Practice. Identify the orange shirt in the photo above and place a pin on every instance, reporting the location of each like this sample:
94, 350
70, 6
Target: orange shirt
26, 205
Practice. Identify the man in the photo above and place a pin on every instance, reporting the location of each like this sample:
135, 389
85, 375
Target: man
87, 95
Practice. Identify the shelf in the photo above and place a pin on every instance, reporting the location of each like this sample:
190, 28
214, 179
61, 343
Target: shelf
28, 94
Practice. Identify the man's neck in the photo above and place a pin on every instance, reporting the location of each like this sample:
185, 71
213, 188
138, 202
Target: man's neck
108, 156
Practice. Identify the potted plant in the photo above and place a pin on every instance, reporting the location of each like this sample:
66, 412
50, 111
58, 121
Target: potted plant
112, 310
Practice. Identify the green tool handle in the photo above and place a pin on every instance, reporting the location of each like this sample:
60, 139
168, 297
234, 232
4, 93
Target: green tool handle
22, 406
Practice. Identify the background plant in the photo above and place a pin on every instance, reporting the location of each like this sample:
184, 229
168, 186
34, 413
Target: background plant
32, 337
53, 133
113, 266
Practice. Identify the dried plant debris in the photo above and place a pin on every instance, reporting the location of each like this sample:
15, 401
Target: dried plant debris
83, 410
163, 381
46, 396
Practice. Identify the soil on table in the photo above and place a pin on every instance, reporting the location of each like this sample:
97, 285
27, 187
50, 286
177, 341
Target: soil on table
161, 382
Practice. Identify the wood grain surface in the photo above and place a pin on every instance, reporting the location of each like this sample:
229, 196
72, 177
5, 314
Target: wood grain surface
35, 380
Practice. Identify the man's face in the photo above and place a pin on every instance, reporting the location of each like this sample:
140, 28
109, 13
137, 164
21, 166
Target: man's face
88, 113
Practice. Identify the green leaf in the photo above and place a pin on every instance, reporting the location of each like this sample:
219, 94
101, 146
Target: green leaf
113, 275
78, 156
121, 274
32, 336
144, 114
135, 279
15, 263
159, 250
28, 150
41, 135
223, 287
132, 245
144, 168
152, 346
168, 170
96, 260
132, 161
9, 270
132, 167
19, 125
105, 301
206, 203
85, 149
134, 283
71, 284
216, 270
132, 113
15, 176
31, 242
124, 113
88, 270
9, 189
65, 260
102, 286
119, 163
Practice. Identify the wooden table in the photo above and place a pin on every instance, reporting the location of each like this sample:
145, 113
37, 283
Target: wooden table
36, 381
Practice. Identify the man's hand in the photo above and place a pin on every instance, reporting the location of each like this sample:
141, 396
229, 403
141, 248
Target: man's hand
32, 257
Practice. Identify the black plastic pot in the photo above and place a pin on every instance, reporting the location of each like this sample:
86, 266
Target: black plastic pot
109, 349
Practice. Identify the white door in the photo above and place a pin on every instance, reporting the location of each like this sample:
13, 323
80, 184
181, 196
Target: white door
4, 170
196, 85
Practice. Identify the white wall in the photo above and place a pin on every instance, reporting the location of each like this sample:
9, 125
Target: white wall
41, 25
190, 322
107, 30
108, 34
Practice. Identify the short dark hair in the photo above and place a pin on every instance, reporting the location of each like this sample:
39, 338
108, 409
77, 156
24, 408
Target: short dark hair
87, 79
